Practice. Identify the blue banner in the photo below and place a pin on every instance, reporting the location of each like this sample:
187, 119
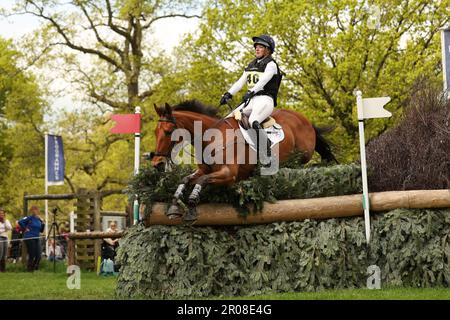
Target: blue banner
446, 57
55, 160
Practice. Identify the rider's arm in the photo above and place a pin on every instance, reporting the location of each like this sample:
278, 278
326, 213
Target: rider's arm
239, 84
269, 72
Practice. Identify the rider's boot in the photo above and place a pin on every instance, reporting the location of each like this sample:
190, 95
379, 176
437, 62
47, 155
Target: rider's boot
263, 157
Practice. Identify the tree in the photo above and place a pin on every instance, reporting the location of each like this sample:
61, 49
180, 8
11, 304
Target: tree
328, 49
103, 48
21, 138
114, 34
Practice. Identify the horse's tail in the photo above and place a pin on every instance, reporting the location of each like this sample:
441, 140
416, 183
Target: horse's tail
323, 147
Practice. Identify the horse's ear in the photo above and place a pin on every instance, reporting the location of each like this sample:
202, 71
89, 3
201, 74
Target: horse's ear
168, 109
158, 110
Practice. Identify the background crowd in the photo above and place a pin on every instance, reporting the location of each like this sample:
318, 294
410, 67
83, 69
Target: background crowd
29, 232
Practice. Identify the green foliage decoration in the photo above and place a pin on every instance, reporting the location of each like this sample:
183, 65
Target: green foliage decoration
411, 247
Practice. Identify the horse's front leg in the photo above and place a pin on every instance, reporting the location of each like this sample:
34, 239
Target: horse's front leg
223, 176
174, 211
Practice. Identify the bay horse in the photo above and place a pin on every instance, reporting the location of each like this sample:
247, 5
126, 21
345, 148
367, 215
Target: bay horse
299, 136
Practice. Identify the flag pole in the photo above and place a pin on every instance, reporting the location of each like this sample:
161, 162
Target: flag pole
445, 63
137, 145
362, 147
46, 192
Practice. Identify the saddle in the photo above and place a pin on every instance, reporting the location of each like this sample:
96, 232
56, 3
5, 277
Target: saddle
275, 132
242, 119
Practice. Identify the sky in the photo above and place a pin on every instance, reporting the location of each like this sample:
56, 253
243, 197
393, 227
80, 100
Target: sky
167, 32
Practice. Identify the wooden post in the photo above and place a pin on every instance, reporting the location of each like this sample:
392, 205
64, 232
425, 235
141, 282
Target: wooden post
97, 226
25, 204
84, 222
24, 254
71, 252
97, 208
129, 218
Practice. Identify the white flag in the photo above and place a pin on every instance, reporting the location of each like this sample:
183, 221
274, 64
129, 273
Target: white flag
373, 108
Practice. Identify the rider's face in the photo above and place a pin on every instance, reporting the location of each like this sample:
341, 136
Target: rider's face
261, 51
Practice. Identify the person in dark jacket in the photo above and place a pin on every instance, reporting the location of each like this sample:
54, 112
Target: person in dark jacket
33, 226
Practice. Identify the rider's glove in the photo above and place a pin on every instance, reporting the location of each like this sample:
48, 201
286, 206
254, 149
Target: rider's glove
225, 98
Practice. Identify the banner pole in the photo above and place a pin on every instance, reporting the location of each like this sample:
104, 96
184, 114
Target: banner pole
362, 147
137, 145
46, 192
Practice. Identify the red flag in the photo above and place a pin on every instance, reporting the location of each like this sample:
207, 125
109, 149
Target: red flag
126, 123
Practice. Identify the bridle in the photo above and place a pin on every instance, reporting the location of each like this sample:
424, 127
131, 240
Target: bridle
172, 142
169, 133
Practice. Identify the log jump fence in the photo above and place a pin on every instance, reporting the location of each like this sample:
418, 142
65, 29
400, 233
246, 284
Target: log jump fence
316, 208
84, 245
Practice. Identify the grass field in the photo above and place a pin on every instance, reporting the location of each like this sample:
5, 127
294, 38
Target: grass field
44, 284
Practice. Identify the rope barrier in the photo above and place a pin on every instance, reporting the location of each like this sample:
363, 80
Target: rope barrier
22, 239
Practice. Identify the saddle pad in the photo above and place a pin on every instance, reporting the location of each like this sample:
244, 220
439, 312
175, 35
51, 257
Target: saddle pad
274, 133
266, 123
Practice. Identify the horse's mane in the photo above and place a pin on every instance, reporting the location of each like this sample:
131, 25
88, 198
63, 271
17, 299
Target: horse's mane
197, 107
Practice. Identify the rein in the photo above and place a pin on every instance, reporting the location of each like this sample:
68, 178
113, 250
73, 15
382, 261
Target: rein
231, 109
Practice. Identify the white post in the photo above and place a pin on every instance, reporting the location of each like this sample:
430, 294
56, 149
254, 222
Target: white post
137, 145
445, 47
46, 192
72, 217
362, 146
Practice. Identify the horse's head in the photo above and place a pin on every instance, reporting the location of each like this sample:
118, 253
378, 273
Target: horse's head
163, 131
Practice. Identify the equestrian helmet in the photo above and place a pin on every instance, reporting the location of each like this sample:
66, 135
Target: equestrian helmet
266, 41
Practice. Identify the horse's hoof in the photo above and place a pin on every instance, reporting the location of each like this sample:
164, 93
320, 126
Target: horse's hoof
191, 216
174, 212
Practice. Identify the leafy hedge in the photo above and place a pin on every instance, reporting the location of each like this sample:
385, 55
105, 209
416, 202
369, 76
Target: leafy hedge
412, 248
151, 185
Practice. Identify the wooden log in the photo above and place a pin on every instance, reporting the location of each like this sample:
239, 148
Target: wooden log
317, 208
66, 196
95, 235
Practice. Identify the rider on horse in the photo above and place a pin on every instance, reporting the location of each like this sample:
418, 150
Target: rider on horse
263, 78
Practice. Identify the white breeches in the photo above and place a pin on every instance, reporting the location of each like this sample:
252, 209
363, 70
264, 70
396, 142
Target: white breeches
259, 108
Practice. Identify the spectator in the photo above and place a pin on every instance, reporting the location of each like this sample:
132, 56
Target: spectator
54, 253
33, 226
5, 227
16, 244
109, 245
63, 239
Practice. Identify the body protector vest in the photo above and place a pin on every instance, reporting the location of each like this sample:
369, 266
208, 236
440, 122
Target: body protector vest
255, 70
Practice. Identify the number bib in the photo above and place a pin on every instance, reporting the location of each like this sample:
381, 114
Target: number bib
253, 78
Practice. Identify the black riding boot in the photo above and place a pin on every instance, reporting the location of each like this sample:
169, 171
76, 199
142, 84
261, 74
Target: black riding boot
263, 157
